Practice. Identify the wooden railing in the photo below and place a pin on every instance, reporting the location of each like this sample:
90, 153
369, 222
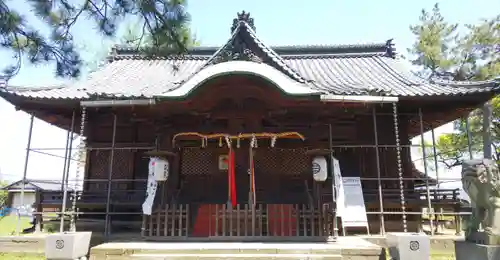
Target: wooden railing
441, 195
95, 198
219, 220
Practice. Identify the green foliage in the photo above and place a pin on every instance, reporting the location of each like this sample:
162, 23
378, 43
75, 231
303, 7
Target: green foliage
443, 51
165, 21
136, 38
454, 146
3, 194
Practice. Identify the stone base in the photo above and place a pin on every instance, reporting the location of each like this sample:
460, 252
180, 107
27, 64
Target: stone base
483, 238
465, 250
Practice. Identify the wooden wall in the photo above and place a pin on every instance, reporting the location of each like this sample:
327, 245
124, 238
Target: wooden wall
355, 161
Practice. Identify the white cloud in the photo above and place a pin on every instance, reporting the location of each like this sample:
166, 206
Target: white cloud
14, 139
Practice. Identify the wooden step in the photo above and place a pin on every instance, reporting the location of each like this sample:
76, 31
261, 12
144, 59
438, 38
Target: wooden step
231, 256
343, 248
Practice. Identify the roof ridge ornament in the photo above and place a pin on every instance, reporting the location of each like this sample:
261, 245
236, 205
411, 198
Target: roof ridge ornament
243, 17
390, 50
3, 82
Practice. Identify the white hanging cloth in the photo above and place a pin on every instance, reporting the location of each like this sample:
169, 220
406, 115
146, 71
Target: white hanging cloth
339, 187
147, 206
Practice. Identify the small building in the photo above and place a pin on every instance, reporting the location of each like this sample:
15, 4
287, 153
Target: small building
240, 125
33, 190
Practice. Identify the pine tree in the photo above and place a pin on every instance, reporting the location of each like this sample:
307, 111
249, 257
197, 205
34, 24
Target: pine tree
163, 21
440, 51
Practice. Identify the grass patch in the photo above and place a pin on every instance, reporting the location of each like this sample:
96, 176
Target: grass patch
435, 255
19, 256
442, 255
8, 225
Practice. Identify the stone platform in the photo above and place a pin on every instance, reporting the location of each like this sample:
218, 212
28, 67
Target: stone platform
345, 248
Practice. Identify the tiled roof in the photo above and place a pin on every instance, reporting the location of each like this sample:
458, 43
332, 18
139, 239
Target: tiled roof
340, 70
45, 185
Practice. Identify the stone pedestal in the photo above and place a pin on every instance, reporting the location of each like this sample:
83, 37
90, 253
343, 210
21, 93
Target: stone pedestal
67, 246
408, 246
465, 250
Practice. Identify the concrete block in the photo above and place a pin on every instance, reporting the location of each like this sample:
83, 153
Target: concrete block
465, 250
69, 245
409, 246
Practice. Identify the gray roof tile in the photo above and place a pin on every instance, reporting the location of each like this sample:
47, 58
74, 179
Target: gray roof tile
45, 185
339, 70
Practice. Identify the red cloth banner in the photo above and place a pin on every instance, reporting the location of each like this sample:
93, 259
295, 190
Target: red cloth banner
252, 176
231, 177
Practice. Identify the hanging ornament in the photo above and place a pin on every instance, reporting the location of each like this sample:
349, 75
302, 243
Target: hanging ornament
319, 168
220, 141
228, 141
238, 141
273, 141
253, 143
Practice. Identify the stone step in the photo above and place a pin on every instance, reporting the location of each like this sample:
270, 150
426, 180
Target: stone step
215, 249
345, 248
227, 256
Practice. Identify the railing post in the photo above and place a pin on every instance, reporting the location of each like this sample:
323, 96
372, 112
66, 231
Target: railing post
67, 163
424, 155
379, 182
110, 175
26, 159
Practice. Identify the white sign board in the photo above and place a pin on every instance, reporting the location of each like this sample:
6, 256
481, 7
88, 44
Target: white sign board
338, 194
353, 212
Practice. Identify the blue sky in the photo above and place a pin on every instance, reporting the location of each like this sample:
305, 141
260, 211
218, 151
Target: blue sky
278, 22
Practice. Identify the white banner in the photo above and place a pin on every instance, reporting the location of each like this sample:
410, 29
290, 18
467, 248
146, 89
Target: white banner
338, 187
147, 206
353, 210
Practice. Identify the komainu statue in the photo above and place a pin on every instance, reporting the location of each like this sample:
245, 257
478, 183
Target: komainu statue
481, 181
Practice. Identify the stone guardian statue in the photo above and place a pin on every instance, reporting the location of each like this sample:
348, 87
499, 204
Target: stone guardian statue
481, 181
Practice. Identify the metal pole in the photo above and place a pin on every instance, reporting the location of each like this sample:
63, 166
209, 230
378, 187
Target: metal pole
110, 173
399, 164
469, 137
70, 149
487, 115
65, 159
435, 156
82, 151
334, 190
377, 157
67, 163
424, 154
26, 159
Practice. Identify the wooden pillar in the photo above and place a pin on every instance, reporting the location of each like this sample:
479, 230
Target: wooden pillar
168, 187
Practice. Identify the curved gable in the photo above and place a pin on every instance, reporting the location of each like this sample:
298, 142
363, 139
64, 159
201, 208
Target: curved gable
278, 79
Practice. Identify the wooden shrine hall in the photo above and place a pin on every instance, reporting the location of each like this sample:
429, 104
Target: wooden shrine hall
220, 142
